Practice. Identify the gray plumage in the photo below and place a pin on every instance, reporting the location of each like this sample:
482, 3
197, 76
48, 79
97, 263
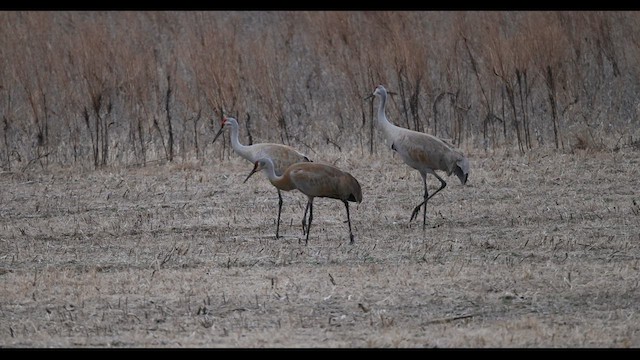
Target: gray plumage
423, 152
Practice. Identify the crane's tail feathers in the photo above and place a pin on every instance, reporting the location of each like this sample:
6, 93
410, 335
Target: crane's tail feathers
462, 170
356, 190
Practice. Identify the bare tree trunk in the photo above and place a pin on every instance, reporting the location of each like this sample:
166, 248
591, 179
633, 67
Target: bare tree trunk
522, 77
403, 98
75, 135
439, 98
414, 105
249, 129
195, 132
504, 119
164, 146
169, 128
105, 134
283, 125
554, 107
143, 148
457, 111
94, 140
435, 112
32, 97
45, 128
5, 129
474, 66
512, 101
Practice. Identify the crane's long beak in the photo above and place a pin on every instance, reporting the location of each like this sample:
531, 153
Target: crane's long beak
255, 170
218, 134
368, 97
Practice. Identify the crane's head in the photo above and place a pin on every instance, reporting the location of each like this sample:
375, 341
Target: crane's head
379, 90
259, 165
224, 123
462, 170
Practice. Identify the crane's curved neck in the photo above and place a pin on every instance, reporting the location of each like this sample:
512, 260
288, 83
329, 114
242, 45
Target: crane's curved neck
384, 124
277, 181
240, 149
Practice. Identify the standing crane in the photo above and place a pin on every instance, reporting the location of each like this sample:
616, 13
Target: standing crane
281, 155
423, 152
314, 180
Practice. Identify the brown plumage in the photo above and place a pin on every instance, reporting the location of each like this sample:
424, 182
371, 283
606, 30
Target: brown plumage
314, 180
281, 155
423, 152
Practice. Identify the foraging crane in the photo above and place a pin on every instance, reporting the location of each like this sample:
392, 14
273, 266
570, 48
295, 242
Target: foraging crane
281, 155
423, 152
314, 180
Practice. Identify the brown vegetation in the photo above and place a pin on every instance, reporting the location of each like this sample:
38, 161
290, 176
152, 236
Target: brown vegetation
91, 89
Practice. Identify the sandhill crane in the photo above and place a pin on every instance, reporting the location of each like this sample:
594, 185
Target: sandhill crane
281, 155
314, 180
423, 152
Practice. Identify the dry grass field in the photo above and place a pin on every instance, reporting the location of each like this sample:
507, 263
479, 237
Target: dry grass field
540, 250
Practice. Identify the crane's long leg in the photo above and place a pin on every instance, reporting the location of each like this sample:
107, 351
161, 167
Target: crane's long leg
426, 199
416, 210
442, 185
304, 219
346, 205
279, 211
310, 219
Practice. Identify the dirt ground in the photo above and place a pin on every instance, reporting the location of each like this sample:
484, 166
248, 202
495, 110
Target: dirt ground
536, 251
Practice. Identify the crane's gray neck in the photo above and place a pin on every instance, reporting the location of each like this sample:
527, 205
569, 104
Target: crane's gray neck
270, 169
384, 124
235, 142
271, 172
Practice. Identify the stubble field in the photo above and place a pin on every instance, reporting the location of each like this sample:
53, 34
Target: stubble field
539, 250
